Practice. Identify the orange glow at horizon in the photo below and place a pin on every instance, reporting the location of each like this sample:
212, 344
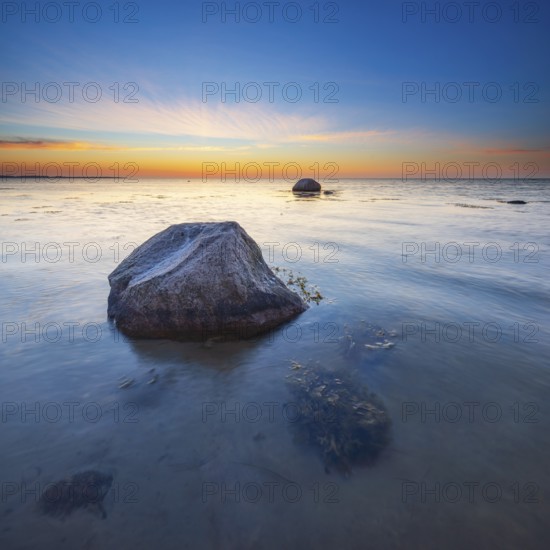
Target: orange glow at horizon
321, 163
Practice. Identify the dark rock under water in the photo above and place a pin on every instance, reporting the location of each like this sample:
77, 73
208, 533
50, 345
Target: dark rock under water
338, 415
82, 490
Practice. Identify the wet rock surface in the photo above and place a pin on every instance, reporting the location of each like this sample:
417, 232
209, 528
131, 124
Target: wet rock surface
195, 281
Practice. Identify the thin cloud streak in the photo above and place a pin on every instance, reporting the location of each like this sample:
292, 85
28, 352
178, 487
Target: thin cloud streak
54, 144
193, 119
261, 126
515, 151
88, 146
345, 137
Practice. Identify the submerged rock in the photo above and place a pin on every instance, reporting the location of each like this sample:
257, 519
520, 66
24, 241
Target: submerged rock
307, 185
337, 414
516, 202
195, 281
364, 337
83, 490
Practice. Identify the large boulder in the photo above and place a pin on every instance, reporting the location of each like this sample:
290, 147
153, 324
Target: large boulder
307, 185
194, 281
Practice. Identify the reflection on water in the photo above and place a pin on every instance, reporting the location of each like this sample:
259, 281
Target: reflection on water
201, 445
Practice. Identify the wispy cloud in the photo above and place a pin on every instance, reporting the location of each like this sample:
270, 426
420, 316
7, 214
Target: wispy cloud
68, 145
22, 143
515, 151
193, 119
345, 137
192, 122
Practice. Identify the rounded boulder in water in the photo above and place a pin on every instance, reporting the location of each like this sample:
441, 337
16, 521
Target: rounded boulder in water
307, 185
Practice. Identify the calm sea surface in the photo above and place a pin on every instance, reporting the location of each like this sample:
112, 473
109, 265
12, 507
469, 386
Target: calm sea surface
206, 456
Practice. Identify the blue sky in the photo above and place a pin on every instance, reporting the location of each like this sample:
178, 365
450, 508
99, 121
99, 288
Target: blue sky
368, 53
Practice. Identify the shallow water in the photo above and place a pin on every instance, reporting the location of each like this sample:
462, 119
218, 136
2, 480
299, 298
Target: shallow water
471, 335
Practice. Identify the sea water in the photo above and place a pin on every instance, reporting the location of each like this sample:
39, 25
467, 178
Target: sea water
200, 437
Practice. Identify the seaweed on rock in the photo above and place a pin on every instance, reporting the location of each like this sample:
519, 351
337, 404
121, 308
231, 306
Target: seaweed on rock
338, 414
299, 284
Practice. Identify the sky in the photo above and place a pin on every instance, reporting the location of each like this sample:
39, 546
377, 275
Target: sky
364, 88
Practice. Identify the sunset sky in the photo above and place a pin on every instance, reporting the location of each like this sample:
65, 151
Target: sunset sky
363, 62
